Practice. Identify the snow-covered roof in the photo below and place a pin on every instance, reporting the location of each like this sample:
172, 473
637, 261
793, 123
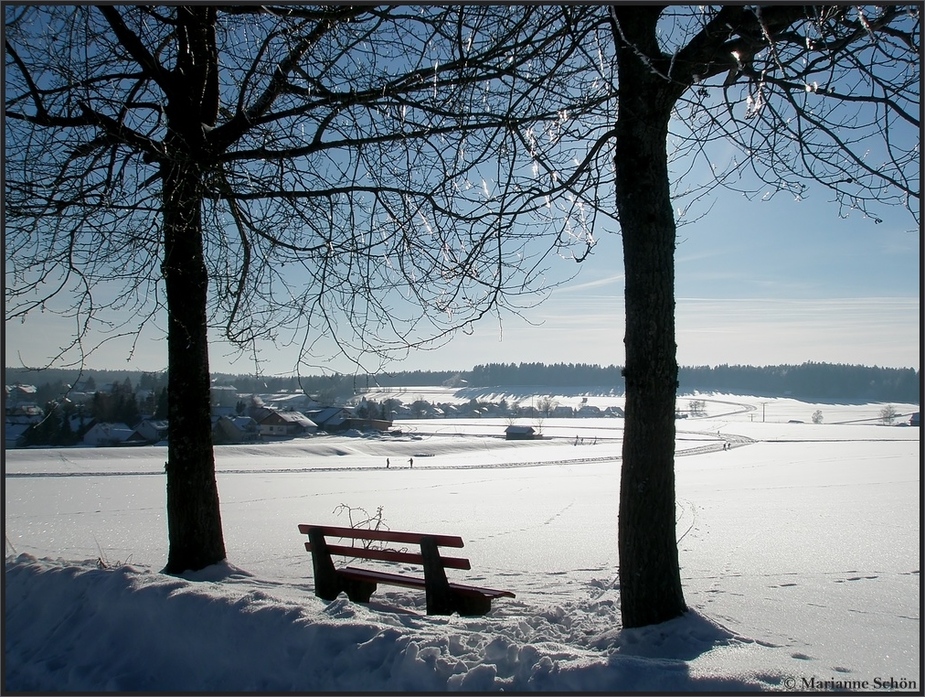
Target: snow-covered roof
328, 416
116, 432
156, 423
296, 418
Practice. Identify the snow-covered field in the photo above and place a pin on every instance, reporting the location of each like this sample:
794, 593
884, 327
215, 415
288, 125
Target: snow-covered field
799, 548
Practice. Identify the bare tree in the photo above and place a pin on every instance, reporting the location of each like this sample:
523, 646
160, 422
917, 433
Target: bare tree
888, 414
810, 98
308, 175
545, 405
809, 94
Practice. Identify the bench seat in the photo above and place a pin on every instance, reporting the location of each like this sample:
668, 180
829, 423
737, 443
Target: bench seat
466, 600
417, 582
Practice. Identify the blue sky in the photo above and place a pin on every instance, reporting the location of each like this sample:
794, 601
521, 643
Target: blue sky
757, 282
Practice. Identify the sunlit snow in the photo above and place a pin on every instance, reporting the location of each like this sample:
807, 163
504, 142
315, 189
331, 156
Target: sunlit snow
799, 551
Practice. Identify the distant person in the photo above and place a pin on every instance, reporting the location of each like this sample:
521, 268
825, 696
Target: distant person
386, 463
411, 462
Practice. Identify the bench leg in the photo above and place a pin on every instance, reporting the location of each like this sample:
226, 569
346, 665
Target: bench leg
439, 599
358, 591
469, 605
327, 583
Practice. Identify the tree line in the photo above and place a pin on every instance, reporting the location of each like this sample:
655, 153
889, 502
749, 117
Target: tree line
810, 381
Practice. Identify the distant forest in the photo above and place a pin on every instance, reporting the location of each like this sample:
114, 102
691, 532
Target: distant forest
808, 382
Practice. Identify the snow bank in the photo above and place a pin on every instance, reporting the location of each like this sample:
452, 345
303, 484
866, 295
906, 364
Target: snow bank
76, 627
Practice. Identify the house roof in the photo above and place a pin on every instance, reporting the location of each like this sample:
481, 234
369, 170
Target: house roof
110, 426
117, 432
12, 432
156, 423
518, 429
293, 417
328, 416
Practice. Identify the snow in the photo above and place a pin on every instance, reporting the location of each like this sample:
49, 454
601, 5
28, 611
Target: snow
799, 550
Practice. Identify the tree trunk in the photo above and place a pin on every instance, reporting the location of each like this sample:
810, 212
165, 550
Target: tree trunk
650, 580
193, 518
194, 524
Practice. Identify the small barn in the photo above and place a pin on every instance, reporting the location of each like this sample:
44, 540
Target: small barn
519, 433
380, 425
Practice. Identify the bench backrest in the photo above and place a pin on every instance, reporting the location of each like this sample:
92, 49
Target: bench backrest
362, 552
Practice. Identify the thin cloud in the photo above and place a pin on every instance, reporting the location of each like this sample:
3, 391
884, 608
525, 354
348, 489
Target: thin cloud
597, 283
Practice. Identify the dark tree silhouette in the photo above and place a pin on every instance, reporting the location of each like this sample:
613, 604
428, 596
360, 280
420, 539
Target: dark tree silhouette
824, 94
341, 178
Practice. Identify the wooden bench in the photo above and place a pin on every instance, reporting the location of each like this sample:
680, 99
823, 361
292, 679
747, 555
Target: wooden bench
443, 597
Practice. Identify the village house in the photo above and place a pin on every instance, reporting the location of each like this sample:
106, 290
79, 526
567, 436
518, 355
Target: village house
20, 394
369, 424
107, 434
13, 434
331, 419
18, 418
290, 401
588, 411
282, 424
235, 429
24, 413
152, 430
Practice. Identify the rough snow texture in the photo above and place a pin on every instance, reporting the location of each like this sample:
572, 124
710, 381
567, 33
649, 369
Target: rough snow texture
799, 553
